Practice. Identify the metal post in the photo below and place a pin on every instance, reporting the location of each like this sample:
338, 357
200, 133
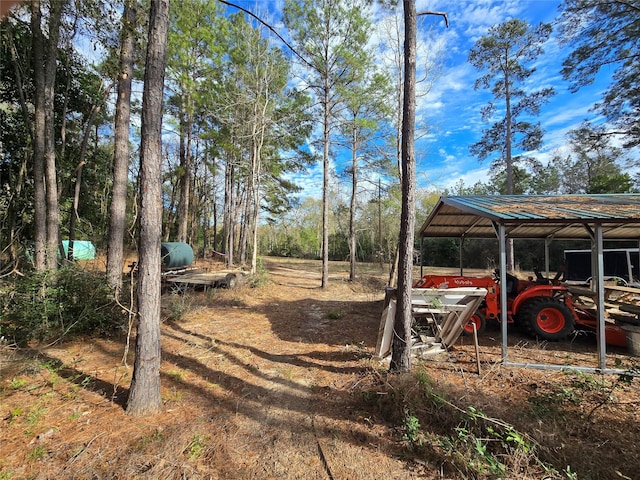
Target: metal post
547, 241
599, 283
460, 254
421, 259
503, 289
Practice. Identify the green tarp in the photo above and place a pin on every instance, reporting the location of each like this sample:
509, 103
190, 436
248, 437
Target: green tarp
82, 250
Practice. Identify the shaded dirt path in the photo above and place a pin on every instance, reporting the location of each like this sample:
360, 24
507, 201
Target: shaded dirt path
257, 383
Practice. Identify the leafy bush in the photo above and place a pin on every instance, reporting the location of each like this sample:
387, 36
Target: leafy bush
51, 305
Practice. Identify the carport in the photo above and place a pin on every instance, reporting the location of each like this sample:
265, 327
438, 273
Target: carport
544, 217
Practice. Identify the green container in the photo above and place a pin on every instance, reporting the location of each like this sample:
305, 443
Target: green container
82, 250
176, 255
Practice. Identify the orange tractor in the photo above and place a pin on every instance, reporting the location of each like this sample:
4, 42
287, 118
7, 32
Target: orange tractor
543, 308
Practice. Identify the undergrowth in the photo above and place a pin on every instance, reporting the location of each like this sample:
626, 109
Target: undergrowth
459, 439
56, 304
556, 433
260, 278
586, 393
179, 306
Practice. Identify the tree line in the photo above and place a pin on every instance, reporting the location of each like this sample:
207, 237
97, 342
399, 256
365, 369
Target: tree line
241, 119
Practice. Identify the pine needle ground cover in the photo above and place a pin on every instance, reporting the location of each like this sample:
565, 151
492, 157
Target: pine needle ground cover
277, 379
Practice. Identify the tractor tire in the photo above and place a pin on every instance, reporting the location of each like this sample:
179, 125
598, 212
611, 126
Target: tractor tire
546, 318
480, 321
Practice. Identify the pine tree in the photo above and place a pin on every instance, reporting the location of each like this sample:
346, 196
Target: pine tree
325, 33
144, 393
503, 54
606, 35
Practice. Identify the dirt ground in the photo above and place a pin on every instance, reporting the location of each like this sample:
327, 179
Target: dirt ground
267, 382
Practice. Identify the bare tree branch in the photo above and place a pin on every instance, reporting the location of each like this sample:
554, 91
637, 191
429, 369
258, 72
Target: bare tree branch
442, 14
253, 15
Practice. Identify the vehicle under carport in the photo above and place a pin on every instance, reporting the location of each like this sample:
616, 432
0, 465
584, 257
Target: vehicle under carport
563, 217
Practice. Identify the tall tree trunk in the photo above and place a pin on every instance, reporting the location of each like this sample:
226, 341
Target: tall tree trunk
144, 394
51, 182
246, 215
325, 186
380, 255
185, 164
18, 68
226, 217
256, 172
196, 194
196, 210
393, 271
509, 162
117, 210
401, 348
236, 216
254, 240
65, 106
258, 128
229, 200
40, 204
352, 207
205, 219
214, 208
169, 216
81, 163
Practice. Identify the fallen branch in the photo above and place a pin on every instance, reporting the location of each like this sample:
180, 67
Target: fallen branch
323, 458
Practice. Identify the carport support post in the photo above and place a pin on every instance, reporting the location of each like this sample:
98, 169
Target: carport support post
547, 242
599, 277
421, 259
503, 287
460, 250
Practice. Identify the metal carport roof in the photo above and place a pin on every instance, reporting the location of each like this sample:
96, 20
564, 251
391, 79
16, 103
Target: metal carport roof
535, 216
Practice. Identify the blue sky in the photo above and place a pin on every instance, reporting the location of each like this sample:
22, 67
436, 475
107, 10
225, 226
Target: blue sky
451, 109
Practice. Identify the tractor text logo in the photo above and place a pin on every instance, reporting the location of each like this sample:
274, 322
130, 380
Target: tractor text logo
462, 281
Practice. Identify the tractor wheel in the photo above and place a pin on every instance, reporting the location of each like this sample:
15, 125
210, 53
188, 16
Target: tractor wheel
479, 320
546, 318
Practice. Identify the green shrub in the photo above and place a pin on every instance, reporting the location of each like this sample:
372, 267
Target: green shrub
179, 306
52, 305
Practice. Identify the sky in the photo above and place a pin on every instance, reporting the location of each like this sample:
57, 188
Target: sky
451, 109
456, 117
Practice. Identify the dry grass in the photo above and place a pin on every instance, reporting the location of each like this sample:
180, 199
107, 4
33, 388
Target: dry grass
279, 381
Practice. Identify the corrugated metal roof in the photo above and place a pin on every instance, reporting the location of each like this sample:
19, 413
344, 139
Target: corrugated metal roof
535, 216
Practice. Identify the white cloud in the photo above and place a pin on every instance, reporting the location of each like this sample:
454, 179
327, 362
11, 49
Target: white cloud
561, 116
